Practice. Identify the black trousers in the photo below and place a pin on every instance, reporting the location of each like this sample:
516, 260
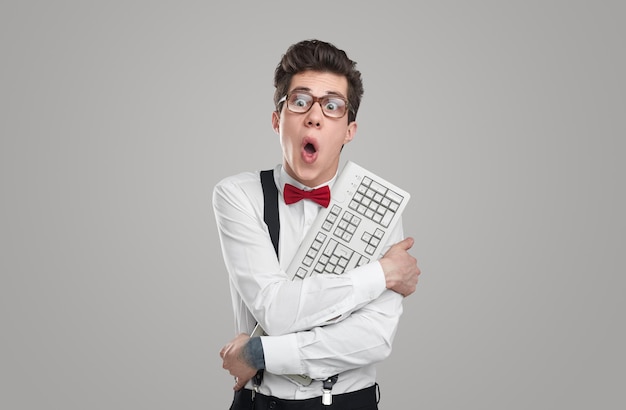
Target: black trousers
359, 400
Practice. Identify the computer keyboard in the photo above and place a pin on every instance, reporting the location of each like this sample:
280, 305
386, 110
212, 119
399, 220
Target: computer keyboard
354, 228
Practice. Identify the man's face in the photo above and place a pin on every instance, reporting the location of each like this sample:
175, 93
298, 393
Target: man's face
311, 142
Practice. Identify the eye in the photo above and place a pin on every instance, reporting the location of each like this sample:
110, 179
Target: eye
334, 104
300, 100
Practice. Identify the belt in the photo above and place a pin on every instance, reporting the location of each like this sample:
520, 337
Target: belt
345, 401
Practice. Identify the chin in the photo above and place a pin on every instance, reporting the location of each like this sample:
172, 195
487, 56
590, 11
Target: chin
305, 174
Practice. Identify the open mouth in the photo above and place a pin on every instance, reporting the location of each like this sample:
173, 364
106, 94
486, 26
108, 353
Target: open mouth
310, 149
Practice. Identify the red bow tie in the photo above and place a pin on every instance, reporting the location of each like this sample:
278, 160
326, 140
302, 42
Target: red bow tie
319, 195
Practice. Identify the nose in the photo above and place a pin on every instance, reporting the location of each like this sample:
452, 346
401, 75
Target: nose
315, 115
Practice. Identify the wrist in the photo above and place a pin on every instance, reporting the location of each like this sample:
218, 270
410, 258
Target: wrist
253, 353
389, 282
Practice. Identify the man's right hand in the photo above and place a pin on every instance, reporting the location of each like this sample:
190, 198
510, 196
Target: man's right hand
401, 271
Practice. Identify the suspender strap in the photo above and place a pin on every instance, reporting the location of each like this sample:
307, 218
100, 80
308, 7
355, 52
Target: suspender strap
270, 211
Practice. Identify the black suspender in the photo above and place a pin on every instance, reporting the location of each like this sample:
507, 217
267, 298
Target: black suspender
270, 211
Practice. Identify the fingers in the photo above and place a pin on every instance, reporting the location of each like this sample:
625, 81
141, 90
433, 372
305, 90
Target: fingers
240, 382
226, 356
403, 245
407, 243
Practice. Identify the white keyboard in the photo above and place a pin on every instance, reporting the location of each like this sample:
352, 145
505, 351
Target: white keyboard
352, 231
354, 228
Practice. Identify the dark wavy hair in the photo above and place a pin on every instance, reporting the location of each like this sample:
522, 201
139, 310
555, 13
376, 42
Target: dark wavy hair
316, 55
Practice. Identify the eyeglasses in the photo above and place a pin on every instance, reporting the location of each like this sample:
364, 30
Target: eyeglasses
300, 102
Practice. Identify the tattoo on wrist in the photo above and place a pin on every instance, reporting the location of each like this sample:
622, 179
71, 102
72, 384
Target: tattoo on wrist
253, 354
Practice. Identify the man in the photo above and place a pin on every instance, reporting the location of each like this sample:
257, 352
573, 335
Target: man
333, 328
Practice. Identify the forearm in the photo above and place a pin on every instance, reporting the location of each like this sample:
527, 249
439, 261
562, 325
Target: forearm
364, 338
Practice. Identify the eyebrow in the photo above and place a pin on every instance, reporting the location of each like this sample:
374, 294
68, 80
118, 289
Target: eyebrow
309, 90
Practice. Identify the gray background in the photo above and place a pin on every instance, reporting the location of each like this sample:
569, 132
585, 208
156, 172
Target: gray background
505, 120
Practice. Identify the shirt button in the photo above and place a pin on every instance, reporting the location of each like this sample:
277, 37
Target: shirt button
272, 404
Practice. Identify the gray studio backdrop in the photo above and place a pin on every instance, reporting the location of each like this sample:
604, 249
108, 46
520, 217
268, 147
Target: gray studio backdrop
505, 120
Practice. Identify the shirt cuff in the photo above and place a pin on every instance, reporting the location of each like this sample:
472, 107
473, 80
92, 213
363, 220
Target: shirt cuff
281, 354
368, 282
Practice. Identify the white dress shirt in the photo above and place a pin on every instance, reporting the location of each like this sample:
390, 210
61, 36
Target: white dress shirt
323, 325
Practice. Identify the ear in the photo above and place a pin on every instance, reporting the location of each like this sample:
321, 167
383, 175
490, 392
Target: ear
276, 121
350, 132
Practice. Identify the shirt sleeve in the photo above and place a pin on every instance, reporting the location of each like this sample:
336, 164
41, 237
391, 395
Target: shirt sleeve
365, 337
278, 304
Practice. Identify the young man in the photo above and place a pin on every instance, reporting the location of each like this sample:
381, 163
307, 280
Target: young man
325, 325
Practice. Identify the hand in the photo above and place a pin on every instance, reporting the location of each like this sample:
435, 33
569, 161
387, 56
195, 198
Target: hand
234, 362
401, 271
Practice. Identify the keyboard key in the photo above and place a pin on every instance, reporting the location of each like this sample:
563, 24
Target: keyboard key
395, 197
387, 218
378, 187
301, 273
343, 251
308, 261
